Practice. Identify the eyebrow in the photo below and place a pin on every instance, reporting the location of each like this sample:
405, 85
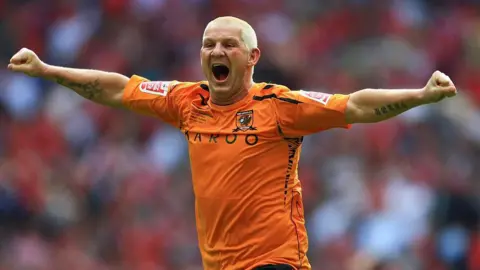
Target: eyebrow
225, 39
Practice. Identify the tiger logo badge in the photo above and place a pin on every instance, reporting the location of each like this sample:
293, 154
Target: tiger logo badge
244, 121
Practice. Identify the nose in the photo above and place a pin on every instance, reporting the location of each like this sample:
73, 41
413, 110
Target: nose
218, 50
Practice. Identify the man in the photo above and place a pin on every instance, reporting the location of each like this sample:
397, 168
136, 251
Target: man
244, 140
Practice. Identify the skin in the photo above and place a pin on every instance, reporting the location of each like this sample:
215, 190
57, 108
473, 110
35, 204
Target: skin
223, 42
232, 42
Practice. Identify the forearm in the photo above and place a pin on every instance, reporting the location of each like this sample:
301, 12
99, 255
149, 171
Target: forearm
374, 105
99, 86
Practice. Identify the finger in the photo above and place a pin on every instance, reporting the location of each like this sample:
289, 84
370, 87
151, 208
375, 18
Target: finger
17, 68
19, 59
450, 82
451, 92
437, 73
443, 80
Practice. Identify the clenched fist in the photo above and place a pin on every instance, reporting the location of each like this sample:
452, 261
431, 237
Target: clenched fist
26, 61
438, 87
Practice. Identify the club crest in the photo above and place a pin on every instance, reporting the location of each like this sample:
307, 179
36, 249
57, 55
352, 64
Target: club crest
244, 121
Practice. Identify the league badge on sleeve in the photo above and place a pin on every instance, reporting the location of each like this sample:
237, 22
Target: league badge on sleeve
156, 88
244, 121
317, 96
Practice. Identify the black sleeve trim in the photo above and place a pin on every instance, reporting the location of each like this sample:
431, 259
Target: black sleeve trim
289, 100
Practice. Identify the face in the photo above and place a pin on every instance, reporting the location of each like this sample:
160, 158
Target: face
225, 58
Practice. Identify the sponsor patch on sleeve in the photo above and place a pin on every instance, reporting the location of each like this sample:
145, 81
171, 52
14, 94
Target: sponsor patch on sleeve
317, 96
156, 88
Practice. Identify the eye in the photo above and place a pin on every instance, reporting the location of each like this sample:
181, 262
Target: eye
230, 45
208, 45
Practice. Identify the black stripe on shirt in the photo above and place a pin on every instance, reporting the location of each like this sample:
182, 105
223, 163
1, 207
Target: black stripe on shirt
289, 100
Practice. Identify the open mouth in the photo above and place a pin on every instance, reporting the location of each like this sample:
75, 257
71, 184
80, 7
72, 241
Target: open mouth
220, 72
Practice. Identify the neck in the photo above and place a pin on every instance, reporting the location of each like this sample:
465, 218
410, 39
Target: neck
230, 98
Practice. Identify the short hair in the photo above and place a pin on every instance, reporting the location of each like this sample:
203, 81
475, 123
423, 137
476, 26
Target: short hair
249, 37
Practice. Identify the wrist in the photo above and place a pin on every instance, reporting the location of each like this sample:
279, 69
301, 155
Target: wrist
47, 72
51, 72
421, 96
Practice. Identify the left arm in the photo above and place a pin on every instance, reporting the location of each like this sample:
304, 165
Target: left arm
370, 106
375, 105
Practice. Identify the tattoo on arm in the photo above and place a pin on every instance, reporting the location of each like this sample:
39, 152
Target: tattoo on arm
90, 90
391, 108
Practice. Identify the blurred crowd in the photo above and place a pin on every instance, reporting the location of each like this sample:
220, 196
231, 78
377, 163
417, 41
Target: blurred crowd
89, 187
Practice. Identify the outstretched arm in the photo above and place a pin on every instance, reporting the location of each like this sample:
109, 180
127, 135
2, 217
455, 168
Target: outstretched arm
374, 105
99, 86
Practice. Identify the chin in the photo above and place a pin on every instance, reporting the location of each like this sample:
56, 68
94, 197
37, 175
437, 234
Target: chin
221, 88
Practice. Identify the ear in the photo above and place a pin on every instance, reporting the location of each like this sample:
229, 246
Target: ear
254, 57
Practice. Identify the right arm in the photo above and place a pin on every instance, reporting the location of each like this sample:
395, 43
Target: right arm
99, 86
136, 93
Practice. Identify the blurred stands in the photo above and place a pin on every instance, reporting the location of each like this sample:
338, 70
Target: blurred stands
89, 187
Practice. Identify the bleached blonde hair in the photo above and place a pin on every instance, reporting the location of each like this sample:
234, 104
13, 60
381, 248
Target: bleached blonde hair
249, 37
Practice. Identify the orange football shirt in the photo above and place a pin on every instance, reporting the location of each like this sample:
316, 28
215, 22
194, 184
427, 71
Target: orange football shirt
244, 159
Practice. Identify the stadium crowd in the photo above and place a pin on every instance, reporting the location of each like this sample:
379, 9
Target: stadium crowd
89, 187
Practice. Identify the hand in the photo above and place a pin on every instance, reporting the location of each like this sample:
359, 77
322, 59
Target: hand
26, 61
438, 87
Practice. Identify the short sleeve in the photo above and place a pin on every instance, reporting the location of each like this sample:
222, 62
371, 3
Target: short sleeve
302, 113
154, 98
